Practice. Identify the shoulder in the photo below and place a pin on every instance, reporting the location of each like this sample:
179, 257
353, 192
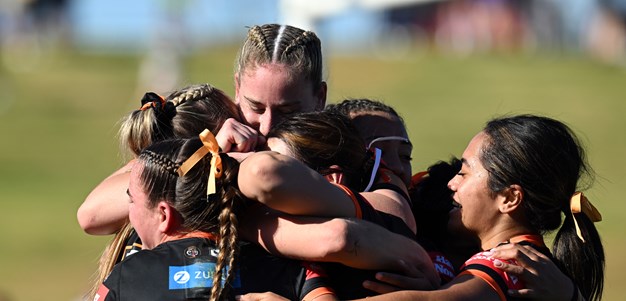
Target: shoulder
482, 265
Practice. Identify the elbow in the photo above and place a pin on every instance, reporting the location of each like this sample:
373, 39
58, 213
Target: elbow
86, 220
92, 225
257, 177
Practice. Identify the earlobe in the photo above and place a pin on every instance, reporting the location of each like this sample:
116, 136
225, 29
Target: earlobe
514, 195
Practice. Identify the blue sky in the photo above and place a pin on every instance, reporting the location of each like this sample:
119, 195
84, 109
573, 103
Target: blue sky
132, 24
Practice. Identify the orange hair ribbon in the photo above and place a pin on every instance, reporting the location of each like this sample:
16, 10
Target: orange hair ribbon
580, 204
209, 145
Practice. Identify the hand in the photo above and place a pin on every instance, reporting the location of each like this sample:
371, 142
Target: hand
267, 296
235, 136
543, 279
239, 156
411, 279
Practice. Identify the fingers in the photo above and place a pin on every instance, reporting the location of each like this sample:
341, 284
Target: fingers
509, 268
239, 156
523, 293
379, 287
523, 256
267, 296
404, 282
238, 137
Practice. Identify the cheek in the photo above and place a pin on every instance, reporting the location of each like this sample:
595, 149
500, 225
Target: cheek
248, 114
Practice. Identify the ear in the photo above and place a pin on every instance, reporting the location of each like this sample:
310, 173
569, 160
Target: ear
168, 217
513, 197
335, 177
321, 96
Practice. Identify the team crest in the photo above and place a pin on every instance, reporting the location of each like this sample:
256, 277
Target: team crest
192, 252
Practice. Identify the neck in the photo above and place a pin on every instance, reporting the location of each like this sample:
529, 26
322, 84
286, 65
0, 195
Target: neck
501, 234
183, 235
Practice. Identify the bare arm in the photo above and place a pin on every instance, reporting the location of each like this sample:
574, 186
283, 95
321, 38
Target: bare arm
288, 185
354, 243
105, 210
392, 202
461, 288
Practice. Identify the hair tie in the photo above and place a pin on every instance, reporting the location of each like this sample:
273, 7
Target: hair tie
151, 99
579, 203
209, 145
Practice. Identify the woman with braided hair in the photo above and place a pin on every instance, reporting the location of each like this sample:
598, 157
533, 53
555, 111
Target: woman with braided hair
183, 114
381, 127
184, 205
278, 73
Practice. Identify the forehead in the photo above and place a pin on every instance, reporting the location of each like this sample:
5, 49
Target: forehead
275, 85
135, 173
372, 125
472, 151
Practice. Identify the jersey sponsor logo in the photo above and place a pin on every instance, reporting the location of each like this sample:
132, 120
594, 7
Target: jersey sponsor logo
181, 277
192, 252
196, 275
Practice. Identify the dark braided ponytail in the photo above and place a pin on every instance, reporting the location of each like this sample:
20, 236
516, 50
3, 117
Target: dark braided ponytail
187, 194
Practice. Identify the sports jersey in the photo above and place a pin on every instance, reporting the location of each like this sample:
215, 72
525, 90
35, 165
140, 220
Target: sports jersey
347, 281
482, 266
132, 246
183, 270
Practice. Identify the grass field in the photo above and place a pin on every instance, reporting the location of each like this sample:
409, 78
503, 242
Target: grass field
58, 128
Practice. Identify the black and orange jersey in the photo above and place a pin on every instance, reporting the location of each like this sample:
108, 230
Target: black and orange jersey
347, 282
481, 265
183, 270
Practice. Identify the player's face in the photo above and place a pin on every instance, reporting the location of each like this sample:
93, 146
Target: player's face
267, 94
386, 132
143, 219
478, 206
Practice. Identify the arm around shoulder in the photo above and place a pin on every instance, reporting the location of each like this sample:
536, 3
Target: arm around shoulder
287, 185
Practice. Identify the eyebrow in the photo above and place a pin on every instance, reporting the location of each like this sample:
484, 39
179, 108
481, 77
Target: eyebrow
260, 103
252, 101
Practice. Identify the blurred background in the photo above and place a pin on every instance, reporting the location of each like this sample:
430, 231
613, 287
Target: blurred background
69, 70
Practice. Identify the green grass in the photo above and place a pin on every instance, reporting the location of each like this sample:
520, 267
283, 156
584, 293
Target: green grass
59, 123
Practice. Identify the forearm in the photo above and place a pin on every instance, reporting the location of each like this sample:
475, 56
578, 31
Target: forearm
289, 186
355, 243
105, 210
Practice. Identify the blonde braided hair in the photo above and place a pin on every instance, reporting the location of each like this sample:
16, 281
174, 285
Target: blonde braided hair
282, 44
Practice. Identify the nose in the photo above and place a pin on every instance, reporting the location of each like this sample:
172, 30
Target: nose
266, 122
452, 184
